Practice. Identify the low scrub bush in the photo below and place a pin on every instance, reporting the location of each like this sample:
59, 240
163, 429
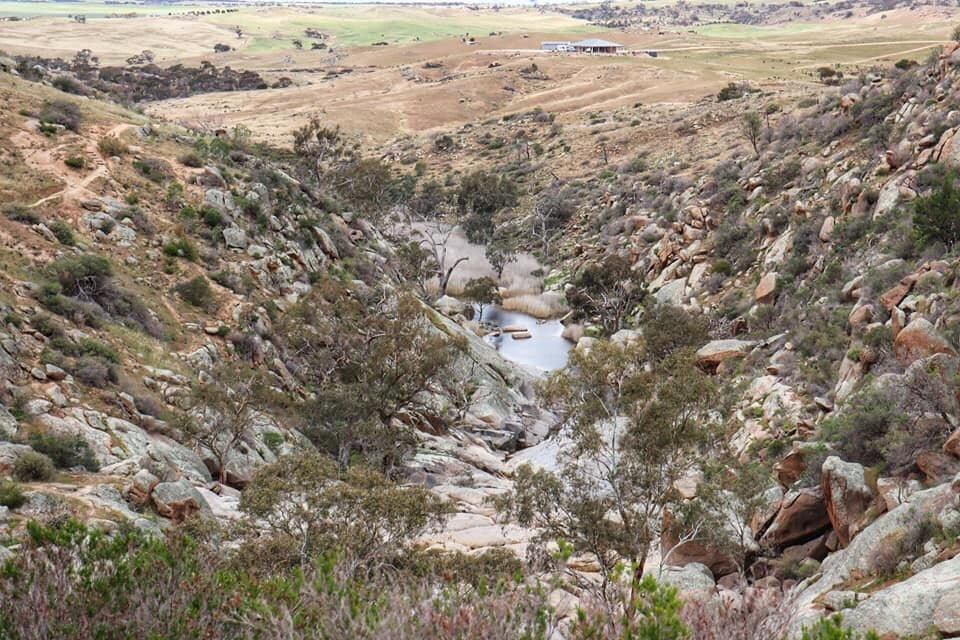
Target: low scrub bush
756, 614
197, 292
667, 329
191, 159
211, 217
936, 217
33, 467
832, 629
70, 85
93, 372
153, 169
65, 452
241, 283
111, 146
181, 248
11, 495
82, 288
88, 347
75, 162
63, 232
130, 585
733, 243
20, 213
735, 90
62, 112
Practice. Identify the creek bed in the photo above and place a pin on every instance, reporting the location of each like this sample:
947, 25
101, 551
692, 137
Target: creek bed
544, 351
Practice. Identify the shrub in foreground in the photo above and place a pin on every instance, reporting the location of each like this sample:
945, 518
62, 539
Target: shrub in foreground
11, 495
65, 451
33, 467
936, 217
129, 585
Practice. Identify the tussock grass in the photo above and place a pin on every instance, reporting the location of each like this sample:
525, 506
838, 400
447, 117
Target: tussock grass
539, 305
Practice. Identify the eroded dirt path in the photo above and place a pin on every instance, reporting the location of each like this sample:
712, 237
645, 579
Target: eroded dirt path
42, 158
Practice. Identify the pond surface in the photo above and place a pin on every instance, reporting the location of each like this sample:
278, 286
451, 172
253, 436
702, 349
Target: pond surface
545, 349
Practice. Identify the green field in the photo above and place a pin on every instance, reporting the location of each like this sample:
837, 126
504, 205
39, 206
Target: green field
751, 32
350, 25
364, 25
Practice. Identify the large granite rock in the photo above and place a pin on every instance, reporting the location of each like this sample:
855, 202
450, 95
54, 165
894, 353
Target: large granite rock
691, 581
871, 549
178, 500
847, 495
920, 339
802, 516
907, 609
713, 353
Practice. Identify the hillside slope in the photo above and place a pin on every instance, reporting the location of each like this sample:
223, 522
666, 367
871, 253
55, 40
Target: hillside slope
190, 320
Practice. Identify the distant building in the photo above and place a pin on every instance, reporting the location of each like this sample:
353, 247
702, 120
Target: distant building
595, 45
556, 46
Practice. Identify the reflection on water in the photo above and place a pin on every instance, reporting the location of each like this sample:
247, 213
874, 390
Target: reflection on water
545, 349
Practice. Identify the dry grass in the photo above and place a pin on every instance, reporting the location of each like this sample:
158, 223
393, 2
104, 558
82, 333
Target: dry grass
539, 305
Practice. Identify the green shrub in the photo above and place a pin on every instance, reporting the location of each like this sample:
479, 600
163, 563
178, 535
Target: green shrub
62, 112
11, 495
75, 162
63, 232
13, 319
936, 217
860, 432
181, 248
89, 347
77, 274
241, 283
69, 85
190, 159
832, 629
33, 467
46, 325
65, 451
735, 90
212, 217
51, 296
197, 292
153, 169
178, 586
20, 213
667, 328
93, 371
878, 337
273, 440
111, 146
81, 287
733, 243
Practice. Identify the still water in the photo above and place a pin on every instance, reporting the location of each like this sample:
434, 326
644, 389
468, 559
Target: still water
545, 349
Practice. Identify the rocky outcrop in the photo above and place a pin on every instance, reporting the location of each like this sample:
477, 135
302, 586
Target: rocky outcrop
920, 339
909, 608
142, 486
178, 500
713, 353
848, 497
875, 548
802, 515
691, 581
766, 288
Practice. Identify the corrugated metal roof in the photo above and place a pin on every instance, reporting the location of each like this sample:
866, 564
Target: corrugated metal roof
594, 42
